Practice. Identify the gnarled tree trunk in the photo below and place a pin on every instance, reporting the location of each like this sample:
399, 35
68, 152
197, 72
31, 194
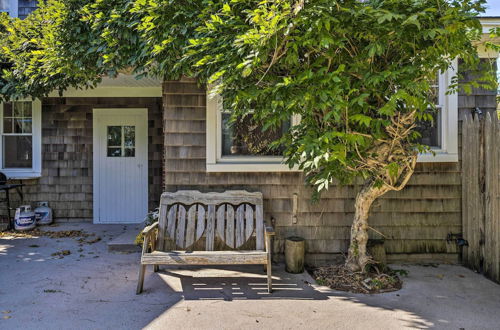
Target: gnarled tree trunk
385, 154
357, 257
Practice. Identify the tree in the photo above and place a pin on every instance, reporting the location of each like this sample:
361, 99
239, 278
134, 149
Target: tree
358, 73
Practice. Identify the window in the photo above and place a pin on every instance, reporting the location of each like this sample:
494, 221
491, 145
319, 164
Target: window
20, 144
442, 133
242, 146
431, 130
121, 141
9, 6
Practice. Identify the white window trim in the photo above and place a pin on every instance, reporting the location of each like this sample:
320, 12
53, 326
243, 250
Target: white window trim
36, 170
448, 152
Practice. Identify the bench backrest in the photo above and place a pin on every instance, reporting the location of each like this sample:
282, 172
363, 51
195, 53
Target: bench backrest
233, 216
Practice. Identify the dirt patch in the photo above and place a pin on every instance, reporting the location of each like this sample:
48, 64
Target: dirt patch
338, 277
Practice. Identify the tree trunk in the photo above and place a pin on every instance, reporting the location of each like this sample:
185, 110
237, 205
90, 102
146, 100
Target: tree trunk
357, 257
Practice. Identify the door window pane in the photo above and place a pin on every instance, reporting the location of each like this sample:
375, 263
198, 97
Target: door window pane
129, 152
18, 151
114, 152
121, 141
114, 136
129, 135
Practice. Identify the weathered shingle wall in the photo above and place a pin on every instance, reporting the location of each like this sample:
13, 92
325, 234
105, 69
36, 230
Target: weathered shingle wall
66, 181
414, 221
481, 98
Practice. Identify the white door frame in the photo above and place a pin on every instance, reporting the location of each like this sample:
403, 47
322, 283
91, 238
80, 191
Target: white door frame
100, 113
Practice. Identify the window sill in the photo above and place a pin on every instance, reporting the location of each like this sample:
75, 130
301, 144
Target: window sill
438, 157
249, 167
262, 166
21, 174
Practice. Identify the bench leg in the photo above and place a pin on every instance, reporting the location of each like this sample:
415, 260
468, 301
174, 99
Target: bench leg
156, 268
269, 263
140, 281
269, 276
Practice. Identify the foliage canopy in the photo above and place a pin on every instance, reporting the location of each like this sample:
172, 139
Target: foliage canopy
347, 68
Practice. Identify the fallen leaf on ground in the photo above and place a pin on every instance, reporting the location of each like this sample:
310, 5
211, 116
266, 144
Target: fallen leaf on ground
6, 317
51, 291
6, 312
61, 253
95, 240
52, 234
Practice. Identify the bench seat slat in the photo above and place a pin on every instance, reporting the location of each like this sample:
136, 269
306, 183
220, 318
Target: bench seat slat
180, 231
200, 226
205, 258
190, 225
210, 229
249, 222
229, 226
240, 226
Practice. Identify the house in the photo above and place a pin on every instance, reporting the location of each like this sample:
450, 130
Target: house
105, 155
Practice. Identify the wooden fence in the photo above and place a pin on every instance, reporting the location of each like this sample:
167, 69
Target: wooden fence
480, 194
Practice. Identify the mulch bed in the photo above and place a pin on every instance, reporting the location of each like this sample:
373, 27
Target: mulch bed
338, 277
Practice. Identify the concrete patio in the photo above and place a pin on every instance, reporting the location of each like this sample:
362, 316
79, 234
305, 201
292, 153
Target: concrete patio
92, 288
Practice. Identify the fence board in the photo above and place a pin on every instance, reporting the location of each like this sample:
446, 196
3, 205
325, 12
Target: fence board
495, 217
465, 169
480, 194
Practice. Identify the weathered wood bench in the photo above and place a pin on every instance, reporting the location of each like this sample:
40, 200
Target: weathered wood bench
233, 218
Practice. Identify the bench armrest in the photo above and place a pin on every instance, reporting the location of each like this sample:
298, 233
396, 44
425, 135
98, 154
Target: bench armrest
146, 232
149, 228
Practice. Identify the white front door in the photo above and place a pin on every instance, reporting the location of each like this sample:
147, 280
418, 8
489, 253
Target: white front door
120, 165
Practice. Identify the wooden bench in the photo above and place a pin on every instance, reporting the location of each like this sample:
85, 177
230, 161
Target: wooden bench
228, 220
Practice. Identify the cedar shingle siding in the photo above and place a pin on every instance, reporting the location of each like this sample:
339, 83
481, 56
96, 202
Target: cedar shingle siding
481, 98
415, 221
66, 181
